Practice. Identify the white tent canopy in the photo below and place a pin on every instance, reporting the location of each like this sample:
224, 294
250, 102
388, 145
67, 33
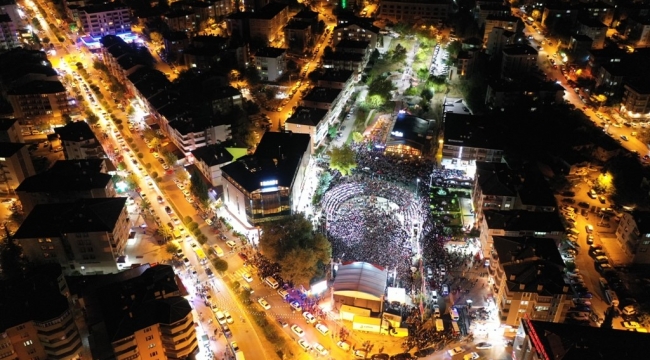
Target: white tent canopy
396, 294
360, 280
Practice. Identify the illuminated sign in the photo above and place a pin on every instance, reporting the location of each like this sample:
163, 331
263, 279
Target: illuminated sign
397, 133
268, 183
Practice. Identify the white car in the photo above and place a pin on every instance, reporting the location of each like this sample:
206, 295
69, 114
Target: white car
304, 344
186, 192
321, 349
229, 319
295, 305
247, 277
322, 329
455, 351
309, 317
297, 330
264, 303
231, 244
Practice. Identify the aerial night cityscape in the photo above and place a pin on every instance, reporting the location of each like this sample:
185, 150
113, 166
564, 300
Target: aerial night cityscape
324, 179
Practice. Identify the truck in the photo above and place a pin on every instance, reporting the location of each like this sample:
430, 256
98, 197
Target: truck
200, 256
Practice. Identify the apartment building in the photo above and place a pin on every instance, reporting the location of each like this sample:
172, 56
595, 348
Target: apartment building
321, 98
633, 234
636, 98
86, 236
10, 131
79, 141
348, 61
357, 31
98, 20
311, 121
11, 8
298, 35
181, 20
518, 223
36, 321
529, 93
266, 186
638, 31
518, 61
8, 33
66, 181
267, 23
595, 29
120, 58
463, 65
271, 63
505, 22
141, 311
415, 9
494, 188
188, 134
210, 159
39, 100
527, 277
489, 9
336, 79
15, 165
466, 140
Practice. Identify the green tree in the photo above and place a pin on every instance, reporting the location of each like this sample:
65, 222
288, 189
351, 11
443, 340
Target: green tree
292, 243
132, 181
454, 48
171, 159
381, 86
155, 37
343, 159
427, 94
182, 175
171, 248
357, 137
145, 204
198, 186
221, 265
165, 231
423, 74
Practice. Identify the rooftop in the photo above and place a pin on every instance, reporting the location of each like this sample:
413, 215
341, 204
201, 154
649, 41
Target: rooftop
352, 44
334, 75
84, 215
75, 131
6, 124
534, 189
37, 87
581, 37
322, 95
469, 131
270, 52
69, 176
412, 131
591, 22
343, 56
360, 280
307, 116
104, 7
524, 221
530, 84
277, 157
306, 14
8, 149
495, 179
35, 296
578, 342
269, 11
213, 155
297, 25
514, 50
531, 265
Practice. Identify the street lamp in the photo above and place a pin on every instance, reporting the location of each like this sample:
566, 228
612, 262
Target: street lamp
417, 188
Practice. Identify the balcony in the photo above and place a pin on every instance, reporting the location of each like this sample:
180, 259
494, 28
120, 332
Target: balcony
178, 328
182, 352
124, 344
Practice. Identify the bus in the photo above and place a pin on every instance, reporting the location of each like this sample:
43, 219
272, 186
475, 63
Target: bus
200, 256
455, 328
440, 325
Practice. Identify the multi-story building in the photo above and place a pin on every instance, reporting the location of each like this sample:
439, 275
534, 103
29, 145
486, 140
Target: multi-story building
415, 9
271, 63
465, 141
10, 131
633, 234
39, 100
105, 19
497, 39
66, 181
558, 14
11, 8
209, 160
321, 98
463, 65
518, 61
298, 35
528, 280
266, 186
336, 79
87, 236
120, 58
37, 322
518, 223
8, 33
579, 46
595, 29
181, 20
599, 10
638, 31
488, 12
636, 98
541, 340
189, 134
339, 60
142, 313
494, 187
358, 31
529, 94
15, 165
79, 141
311, 121
267, 23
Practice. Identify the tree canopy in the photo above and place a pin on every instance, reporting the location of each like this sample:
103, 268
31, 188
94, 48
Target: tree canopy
342, 158
301, 254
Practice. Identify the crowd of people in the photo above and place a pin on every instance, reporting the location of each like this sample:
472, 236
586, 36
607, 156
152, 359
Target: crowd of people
401, 170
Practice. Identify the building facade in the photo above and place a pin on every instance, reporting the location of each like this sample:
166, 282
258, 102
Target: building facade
636, 99
39, 100
15, 164
415, 9
87, 236
311, 121
8, 33
633, 234
209, 160
79, 141
271, 63
518, 61
105, 19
